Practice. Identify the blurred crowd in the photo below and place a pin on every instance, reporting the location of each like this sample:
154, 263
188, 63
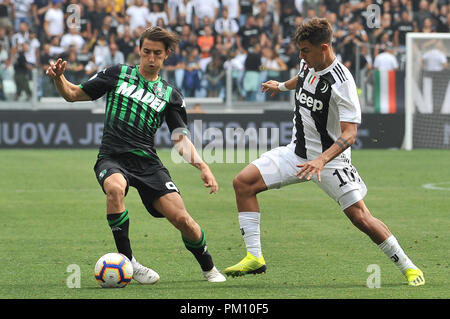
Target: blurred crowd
252, 38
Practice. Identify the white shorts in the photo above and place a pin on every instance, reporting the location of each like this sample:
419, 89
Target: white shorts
339, 179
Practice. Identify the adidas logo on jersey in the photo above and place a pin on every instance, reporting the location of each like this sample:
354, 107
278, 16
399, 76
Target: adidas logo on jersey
308, 101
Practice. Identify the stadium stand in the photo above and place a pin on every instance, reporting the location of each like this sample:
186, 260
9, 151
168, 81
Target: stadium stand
252, 37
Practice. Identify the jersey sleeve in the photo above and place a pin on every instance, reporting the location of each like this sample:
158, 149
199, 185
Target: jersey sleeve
345, 97
102, 82
176, 116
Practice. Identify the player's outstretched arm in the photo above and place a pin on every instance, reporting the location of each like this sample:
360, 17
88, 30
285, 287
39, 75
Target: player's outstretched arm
69, 91
274, 87
187, 150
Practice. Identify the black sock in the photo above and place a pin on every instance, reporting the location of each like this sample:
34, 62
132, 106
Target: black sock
200, 251
120, 224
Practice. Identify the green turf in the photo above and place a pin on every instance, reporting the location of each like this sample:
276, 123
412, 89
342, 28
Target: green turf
52, 215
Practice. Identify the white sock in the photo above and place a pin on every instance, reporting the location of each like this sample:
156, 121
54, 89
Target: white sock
249, 223
392, 249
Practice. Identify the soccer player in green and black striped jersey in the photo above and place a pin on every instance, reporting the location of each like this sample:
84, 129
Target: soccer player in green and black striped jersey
138, 101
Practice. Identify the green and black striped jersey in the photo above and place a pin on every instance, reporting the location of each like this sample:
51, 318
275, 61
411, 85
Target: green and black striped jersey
135, 109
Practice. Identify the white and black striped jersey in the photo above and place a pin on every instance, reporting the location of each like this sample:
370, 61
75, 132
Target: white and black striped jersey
323, 99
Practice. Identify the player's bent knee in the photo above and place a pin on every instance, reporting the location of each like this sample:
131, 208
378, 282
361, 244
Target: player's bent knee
241, 188
115, 185
244, 187
238, 185
114, 191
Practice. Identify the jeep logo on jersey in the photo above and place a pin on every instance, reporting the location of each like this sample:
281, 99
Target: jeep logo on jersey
141, 95
308, 101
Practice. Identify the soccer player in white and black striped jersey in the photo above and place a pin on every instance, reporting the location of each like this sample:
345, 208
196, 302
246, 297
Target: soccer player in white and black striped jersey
326, 116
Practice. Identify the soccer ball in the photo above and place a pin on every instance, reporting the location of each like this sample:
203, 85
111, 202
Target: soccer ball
113, 270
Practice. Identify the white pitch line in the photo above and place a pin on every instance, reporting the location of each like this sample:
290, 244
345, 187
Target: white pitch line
48, 190
435, 187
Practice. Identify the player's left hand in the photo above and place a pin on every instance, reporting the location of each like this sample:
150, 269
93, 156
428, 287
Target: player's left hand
209, 180
311, 168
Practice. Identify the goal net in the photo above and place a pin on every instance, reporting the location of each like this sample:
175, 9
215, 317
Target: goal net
427, 91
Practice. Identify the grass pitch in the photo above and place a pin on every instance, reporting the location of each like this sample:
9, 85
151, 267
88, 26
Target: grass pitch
52, 217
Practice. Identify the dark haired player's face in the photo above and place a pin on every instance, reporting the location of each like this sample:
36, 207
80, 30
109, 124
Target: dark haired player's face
313, 55
152, 55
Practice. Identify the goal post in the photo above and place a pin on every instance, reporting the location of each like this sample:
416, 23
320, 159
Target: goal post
427, 91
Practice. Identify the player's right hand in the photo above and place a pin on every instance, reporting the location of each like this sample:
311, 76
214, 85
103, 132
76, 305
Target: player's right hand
56, 69
271, 87
209, 179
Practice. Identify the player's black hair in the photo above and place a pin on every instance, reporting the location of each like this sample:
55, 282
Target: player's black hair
159, 34
317, 31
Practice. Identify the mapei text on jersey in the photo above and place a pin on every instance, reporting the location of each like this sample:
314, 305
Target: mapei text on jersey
141, 95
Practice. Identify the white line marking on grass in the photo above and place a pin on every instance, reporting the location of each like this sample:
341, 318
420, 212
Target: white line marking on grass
435, 186
48, 190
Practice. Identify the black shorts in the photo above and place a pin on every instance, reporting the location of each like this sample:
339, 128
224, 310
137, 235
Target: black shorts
151, 179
